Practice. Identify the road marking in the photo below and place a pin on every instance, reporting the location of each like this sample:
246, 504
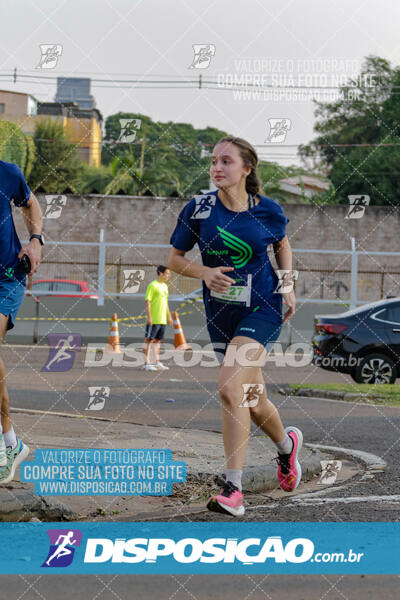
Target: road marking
394, 499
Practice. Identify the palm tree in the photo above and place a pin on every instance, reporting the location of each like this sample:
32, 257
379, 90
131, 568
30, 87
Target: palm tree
155, 178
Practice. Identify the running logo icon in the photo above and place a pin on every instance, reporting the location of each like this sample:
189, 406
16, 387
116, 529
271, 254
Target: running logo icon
62, 547
251, 394
243, 249
98, 395
62, 351
54, 206
128, 131
278, 129
50, 54
357, 206
286, 278
202, 56
133, 279
330, 471
203, 208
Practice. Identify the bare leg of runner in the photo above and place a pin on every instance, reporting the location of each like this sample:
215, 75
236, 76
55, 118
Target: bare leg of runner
236, 419
4, 398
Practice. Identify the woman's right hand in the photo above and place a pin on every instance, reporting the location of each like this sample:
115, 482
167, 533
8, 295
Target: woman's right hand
215, 279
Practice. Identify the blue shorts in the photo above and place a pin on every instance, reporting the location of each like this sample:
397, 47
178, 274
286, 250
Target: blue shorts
154, 332
11, 297
228, 322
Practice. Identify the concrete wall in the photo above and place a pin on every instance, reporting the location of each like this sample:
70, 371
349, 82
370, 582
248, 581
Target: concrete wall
136, 219
132, 219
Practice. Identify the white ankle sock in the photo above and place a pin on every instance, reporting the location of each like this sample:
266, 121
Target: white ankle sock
285, 446
10, 438
235, 477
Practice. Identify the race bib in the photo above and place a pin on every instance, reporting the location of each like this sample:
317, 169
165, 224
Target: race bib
240, 293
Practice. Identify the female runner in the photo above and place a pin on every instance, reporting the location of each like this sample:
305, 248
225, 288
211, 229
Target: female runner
233, 227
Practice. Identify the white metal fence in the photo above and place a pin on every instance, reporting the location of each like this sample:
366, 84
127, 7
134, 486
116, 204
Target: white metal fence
324, 275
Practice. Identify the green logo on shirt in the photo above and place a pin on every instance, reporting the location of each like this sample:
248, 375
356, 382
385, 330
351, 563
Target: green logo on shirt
217, 252
243, 249
9, 272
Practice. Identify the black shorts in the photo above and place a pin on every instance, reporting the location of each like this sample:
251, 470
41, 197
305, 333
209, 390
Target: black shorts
154, 332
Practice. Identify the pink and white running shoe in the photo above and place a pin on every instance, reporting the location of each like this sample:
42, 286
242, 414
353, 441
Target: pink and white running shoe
289, 468
230, 501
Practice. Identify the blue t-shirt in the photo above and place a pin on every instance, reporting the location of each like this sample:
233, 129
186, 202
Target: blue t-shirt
12, 187
239, 240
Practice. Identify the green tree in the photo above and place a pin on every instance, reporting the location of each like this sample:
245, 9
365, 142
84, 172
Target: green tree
16, 147
170, 156
129, 178
353, 133
57, 165
94, 179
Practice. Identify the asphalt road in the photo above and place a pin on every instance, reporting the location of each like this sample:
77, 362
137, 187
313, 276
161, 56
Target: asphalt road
198, 587
145, 397
142, 397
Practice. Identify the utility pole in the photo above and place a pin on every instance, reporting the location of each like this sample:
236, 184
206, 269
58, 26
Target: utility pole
141, 163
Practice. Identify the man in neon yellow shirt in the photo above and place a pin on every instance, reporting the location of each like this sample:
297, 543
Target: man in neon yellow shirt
157, 315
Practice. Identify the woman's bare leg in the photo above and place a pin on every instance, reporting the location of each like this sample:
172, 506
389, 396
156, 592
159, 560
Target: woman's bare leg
236, 418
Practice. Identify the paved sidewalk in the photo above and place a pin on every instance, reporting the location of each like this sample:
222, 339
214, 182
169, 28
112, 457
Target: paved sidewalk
202, 451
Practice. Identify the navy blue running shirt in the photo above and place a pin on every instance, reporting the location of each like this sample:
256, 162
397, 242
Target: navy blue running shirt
239, 240
12, 187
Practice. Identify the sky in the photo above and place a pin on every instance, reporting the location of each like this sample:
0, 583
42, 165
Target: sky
287, 43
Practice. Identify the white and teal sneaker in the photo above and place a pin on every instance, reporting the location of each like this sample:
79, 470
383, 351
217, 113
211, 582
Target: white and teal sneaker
14, 458
3, 455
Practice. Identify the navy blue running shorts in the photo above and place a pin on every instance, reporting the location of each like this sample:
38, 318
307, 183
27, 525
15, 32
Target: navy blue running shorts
231, 322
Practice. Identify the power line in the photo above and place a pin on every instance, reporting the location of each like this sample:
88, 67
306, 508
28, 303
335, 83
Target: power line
200, 82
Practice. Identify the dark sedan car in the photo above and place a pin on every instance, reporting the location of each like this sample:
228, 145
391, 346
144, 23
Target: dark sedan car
364, 342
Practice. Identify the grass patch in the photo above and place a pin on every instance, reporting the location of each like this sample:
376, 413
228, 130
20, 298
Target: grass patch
379, 394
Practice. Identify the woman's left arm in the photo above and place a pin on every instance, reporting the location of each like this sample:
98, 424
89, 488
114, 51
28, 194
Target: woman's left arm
283, 255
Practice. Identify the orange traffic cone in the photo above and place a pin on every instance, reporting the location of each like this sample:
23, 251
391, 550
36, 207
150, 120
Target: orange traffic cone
179, 338
113, 338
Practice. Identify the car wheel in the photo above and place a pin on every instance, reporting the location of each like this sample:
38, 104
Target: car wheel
375, 368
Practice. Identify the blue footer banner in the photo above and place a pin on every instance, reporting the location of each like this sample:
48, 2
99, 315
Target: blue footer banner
215, 548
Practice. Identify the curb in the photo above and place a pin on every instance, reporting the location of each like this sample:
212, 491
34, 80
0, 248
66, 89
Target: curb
259, 480
255, 479
262, 479
316, 394
372, 463
23, 505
